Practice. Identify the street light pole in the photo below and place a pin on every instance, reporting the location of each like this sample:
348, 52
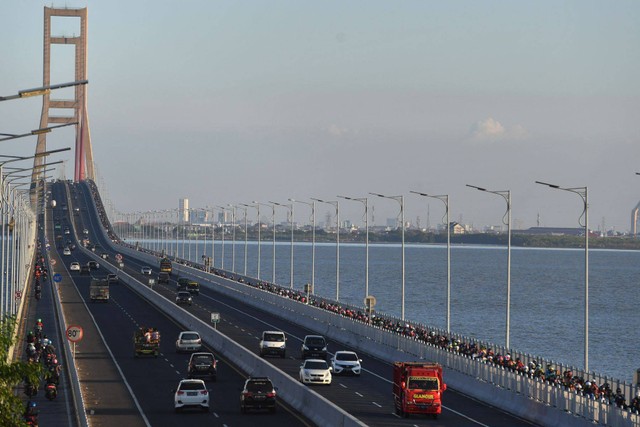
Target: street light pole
506, 195
223, 221
337, 206
445, 199
290, 208
273, 224
584, 195
245, 240
400, 200
365, 202
233, 245
312, 205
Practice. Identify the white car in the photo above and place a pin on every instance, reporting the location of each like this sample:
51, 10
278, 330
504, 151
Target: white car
188, 341
346, 362
146, 270
74, 266
315, 371
191, 394
66, 251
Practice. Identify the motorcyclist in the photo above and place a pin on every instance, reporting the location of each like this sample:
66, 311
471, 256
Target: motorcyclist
31, 413
635, 403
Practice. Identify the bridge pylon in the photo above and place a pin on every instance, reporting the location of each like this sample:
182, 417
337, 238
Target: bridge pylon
84, 168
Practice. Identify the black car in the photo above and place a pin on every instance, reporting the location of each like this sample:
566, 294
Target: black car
203, 365
84, 269
193, 287
314, 346
163, 277
93, 265
181, 284
258, 393
184, 297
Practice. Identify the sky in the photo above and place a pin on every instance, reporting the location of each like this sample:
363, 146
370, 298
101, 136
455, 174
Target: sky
227, 102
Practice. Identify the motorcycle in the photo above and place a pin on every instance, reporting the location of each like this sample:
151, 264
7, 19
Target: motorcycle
51, 391
31, 414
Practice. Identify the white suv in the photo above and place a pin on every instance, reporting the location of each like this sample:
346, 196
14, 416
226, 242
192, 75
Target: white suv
188, 341
346, 362
191, 394
273, 342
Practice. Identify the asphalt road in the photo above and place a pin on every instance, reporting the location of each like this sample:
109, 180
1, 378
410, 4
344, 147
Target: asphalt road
151, 381
367, 397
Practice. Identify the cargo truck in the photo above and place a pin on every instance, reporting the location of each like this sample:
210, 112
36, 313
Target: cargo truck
417, 388
165, 266
99, 290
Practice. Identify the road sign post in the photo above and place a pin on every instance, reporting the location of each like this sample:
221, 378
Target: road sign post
369, 303
74, 334
215, 318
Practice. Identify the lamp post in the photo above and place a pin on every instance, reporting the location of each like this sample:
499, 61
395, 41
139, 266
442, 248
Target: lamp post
233, 233
256, 206
584, 195
273, 224
444, 198
365, 202
312, 205
223, 221
337, 206
400, 200
42, 90
245, 238
506, 195
290, 208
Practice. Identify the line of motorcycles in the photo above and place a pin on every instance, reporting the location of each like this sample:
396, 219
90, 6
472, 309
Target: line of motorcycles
40, 350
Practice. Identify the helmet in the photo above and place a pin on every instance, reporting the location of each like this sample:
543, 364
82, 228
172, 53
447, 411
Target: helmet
39, 320
32, 404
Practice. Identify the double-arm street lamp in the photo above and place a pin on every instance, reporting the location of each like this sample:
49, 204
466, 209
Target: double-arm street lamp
365, 202
336, 204
312, 205
444, 198
9, 136
506, 195
584, 195
291, 211
400, 200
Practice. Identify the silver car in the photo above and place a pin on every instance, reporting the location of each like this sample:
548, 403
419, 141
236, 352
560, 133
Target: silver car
188, 341
315, 371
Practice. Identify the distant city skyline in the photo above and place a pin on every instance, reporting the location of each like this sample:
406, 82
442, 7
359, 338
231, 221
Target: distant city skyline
227, 103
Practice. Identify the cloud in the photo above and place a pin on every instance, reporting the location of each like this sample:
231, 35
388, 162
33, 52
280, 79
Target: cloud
492, 130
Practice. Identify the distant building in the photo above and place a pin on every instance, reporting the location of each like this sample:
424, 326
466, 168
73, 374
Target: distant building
183, 209
456, 228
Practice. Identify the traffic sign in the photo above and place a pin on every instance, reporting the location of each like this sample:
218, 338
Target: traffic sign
370, 302
215, 317
57, 277
119, 257
18, 294
53, 262
74, 333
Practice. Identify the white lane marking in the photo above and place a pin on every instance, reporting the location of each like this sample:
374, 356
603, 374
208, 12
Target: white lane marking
359, 394
379, 406
300, 339
342, 385
215, 414
464, 416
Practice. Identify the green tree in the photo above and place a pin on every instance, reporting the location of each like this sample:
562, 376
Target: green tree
13, 374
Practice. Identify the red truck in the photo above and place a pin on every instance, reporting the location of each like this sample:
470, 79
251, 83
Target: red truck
417, 388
